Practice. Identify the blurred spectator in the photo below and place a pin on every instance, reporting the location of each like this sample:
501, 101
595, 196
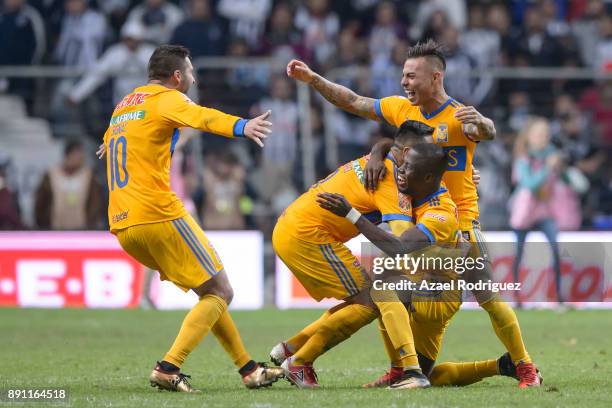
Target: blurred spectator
82, 35
68, 196
596, 103
158, 17
385, 75
494, 160
537, 169
554, 18
22, 42
9, 205
126, 62
480, 41
281, 149
247, 17
570, 129
249, 79
203, 33
320, 26
586, 31
603, 49
22, 34
385, 33
459, 66
536, 43
116, 11
454, 11
224, 186
498, 19
282, 40
519, 108
437, 22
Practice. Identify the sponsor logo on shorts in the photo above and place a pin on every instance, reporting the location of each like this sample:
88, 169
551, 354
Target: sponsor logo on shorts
120, 217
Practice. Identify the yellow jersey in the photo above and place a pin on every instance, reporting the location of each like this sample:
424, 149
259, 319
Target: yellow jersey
436, 216
143, 131
448, 133
311, 223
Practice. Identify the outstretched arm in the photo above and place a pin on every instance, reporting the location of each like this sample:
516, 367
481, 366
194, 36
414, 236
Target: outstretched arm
475, 126
338, 95
411, 240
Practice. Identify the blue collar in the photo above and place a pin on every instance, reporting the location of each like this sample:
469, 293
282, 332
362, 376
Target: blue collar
440, 109
429, 197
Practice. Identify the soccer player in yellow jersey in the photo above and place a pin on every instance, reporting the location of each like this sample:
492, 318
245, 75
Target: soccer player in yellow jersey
435, 219
310, 241
150, 221
458, 129
430, 311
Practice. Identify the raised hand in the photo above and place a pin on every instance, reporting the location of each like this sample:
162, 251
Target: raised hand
299, 70
101, 151
258, 128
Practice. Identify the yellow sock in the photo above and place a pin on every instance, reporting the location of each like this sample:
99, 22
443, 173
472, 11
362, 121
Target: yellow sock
392, 353
462, 373
196, 325
226, 332
507, 328
336, 328
395, 318
297, 341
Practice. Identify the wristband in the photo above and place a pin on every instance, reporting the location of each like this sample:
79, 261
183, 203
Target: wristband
353, 215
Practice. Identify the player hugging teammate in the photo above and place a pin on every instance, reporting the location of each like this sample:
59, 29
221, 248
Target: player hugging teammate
440, 178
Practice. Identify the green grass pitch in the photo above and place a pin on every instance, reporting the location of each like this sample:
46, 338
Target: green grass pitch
104, 359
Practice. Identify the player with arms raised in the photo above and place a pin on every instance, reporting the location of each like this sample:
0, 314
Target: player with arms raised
458, 129
150, 221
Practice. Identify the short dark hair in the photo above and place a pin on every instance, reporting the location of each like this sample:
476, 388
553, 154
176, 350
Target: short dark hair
165, 60
412, 132
72, 145
429, 49
433, 158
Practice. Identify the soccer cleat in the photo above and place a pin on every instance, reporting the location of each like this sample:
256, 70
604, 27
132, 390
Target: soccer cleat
411, 379
528, 375
262, 376
176, 382
388, 378
302, 376
280, 353
525, 374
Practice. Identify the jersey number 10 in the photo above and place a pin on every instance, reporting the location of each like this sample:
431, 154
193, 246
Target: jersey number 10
115, 177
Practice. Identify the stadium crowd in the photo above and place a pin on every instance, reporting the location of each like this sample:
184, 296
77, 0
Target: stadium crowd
237, 185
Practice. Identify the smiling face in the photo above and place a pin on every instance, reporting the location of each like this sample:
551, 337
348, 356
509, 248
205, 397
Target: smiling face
408, 174
419, 80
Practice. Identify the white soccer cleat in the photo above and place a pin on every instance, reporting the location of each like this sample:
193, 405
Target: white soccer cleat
280, 353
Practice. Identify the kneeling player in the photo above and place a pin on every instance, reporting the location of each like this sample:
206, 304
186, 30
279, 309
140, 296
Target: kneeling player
429, 317
310, 241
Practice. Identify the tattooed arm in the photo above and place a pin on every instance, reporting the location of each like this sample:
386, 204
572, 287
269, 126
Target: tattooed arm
338, 95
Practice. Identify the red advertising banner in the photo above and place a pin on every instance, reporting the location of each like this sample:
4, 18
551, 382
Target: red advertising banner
67, 270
